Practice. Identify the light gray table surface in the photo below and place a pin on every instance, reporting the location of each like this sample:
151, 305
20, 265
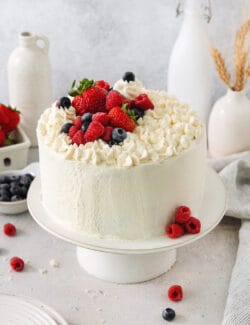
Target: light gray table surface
202, 268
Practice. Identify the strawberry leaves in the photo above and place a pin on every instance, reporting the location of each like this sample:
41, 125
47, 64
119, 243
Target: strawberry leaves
83, 85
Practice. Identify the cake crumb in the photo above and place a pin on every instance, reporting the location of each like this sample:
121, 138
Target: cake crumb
54, 263
42, 271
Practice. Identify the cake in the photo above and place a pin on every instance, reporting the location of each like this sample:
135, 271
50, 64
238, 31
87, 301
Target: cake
121, 180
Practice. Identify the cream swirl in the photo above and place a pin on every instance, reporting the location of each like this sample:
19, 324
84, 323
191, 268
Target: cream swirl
166, 131
129, 89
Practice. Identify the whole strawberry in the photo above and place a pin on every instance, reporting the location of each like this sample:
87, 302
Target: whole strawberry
121, 120
94, 131
103, 84
114, 98
143, 102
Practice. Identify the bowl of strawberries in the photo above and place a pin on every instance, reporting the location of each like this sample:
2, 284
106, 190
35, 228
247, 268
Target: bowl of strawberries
14, 143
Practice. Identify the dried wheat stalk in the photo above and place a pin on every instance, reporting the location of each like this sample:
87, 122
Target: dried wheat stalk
221, 67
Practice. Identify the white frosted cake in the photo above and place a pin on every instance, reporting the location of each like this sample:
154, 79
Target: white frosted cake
123, 179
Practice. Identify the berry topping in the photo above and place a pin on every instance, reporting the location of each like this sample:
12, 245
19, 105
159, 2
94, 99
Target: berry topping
114, 99
9, 229
64, 102
103, 84
168, 314
78, 104
87, 117
65, 128
17, 264
175, 293
128, 76
174, 230
119, 135
182, 214
78, 122
85, 126
102, 118
78, 137
143, 102
107, 133
94, 131
139, 113
193, 225
121, 120
73, 130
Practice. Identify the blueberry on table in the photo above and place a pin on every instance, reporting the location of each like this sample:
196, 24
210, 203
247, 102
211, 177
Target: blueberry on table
118, 135
168, 314
65, 128
64, 102
128, 76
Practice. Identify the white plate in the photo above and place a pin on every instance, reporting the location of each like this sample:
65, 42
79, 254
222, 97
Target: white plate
21, 205
23, 310
212, 211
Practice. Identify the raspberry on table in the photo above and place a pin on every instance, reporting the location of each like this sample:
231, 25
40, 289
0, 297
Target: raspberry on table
9, 229
175, 293
17, 264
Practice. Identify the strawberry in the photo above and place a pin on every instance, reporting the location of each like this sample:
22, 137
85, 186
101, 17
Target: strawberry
193, 225
2, 137
78, 137
120, 119
175, 293
102, 118
143, 102
94, 131
73, 130
94, 99
78, 104
182, 214
174, 230
103, 84
9, 229
114, 99
78, 122
17, 264
4, 115
107, 133
14, 120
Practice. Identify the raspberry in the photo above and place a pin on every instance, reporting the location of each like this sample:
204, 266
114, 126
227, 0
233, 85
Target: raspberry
78, 104
9, 229
182, 214
193, 225
119, 119
174, 230
107, 133
94, 131
17, 264
102, 118
103, 84
78, 122
73, 130
114, 99
175, 293
143, 102
78, 137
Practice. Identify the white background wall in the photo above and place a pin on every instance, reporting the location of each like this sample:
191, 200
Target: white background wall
103, 38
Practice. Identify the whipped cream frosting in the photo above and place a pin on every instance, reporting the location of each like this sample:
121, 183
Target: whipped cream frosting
166, 131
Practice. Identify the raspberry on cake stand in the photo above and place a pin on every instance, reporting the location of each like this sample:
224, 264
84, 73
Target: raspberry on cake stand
130, 261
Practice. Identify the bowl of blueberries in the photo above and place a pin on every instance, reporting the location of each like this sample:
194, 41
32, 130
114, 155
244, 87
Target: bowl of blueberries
14, 186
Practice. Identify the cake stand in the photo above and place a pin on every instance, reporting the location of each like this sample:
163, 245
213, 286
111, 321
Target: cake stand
126, 261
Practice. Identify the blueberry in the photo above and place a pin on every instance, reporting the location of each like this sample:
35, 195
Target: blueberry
24, 180
15, 178
30, 176
85, 126
16, 190
16, 197
138, 112
4, 186
87, 117
24, 191
3, 179
4, 197
128, 76
65, 128
64, 102
118, 135
168, 314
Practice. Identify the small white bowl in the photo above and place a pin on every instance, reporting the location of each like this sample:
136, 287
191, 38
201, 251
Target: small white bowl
20, 206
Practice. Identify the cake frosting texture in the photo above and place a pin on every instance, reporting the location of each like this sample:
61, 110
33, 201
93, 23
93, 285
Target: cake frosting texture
127, 191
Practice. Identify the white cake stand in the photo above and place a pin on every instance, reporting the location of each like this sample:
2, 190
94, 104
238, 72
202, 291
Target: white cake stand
130, 261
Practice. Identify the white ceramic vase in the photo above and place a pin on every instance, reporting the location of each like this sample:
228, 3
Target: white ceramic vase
229, 124
29, 79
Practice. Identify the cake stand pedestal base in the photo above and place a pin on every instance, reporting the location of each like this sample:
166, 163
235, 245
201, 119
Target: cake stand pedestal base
125, 268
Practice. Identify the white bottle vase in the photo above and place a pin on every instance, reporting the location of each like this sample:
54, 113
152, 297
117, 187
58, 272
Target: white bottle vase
190, 66
229, 124
29, 79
